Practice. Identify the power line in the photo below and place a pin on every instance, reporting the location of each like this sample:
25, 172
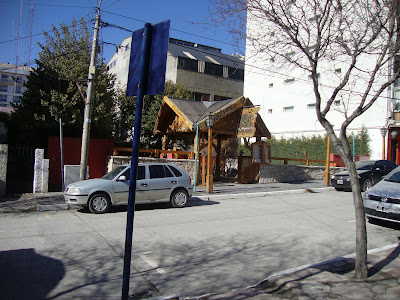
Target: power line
173, 29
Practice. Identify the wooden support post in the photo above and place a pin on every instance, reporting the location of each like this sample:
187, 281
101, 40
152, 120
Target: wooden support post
327, 176
210, 179
218, 159
164, 144
203, 172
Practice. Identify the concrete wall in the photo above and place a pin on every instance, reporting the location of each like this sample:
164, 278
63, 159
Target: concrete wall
3, 168
290, 173
185, 164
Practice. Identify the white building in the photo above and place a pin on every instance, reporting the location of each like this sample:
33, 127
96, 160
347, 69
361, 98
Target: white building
205, 71
287, 100
12, 79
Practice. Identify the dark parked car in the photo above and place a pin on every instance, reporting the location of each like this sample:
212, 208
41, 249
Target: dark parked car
370, 172
383, 200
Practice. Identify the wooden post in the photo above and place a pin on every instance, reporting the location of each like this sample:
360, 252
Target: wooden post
164, 144
218, 159
383, 147
240, 166
328, 154
203, 172
209, 187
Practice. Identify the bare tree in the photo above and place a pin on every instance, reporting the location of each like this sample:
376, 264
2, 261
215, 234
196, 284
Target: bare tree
312, 35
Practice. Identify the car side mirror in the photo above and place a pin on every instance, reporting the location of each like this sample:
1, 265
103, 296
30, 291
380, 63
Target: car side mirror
121, 178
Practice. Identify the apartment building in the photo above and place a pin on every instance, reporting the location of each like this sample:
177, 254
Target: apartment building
207, 72
12, 79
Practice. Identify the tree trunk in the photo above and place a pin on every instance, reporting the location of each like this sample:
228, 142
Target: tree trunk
361, 269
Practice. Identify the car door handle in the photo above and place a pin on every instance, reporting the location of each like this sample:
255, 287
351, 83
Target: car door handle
144, 184
173, 182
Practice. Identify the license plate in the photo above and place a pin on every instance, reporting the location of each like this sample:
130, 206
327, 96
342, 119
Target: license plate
339, 181
382, 209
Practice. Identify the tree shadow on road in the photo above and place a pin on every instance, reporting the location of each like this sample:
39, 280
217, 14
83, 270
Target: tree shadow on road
28, 275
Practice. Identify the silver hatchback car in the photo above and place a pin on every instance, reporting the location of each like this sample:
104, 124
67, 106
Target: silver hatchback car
156, 182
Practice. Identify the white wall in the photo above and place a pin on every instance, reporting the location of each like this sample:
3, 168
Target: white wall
265, 85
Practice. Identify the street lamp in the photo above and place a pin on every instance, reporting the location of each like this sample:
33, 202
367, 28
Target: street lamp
383, 133
210, 123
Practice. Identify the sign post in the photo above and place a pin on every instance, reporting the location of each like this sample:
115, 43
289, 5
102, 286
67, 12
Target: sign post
146, 77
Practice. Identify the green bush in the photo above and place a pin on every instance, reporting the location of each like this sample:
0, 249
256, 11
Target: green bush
314, 147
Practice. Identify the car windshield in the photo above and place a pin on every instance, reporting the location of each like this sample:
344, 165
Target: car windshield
364, 165
111, 175
393, 176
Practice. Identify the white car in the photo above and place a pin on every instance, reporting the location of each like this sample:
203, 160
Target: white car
156, 182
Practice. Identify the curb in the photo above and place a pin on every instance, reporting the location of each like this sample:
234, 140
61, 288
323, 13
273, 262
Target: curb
208, 197
205, 197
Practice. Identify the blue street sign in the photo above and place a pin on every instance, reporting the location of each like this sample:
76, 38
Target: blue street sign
146, 76
158, 60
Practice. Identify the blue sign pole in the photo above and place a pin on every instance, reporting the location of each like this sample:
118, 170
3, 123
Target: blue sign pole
142, 87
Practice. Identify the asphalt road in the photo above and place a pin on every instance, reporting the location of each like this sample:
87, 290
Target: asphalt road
207, 247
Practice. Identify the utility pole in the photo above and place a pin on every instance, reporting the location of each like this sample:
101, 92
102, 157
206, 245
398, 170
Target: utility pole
89, 102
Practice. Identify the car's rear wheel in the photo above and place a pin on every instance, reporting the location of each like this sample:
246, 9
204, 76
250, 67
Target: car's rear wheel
179, 198
99, 203
367, 184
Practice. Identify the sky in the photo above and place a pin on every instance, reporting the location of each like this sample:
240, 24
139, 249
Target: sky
190, 21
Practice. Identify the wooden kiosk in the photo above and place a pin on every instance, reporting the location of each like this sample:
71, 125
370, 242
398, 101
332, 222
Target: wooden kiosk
209, 123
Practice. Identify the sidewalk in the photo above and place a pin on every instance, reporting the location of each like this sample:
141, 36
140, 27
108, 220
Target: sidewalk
333, 279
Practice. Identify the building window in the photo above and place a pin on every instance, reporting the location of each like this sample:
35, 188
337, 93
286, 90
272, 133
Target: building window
4, 77
17, 99
213, 69
201, 97
18, 79
18, 89
270, 111
3, 88
289, 81
271, 85
201, 66
311, 106
236, 73
112, 65
205, 97
3, 98
187, 64
220, 98
288, 109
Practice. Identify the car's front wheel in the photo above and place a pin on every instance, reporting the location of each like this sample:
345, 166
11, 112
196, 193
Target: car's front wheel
99, 203
367, 184
179, 198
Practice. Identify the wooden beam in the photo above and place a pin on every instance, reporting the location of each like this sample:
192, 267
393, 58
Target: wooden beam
178, 112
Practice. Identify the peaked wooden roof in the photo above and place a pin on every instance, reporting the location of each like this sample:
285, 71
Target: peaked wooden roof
180, 116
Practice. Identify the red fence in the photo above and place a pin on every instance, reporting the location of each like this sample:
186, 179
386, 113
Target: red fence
98, 151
